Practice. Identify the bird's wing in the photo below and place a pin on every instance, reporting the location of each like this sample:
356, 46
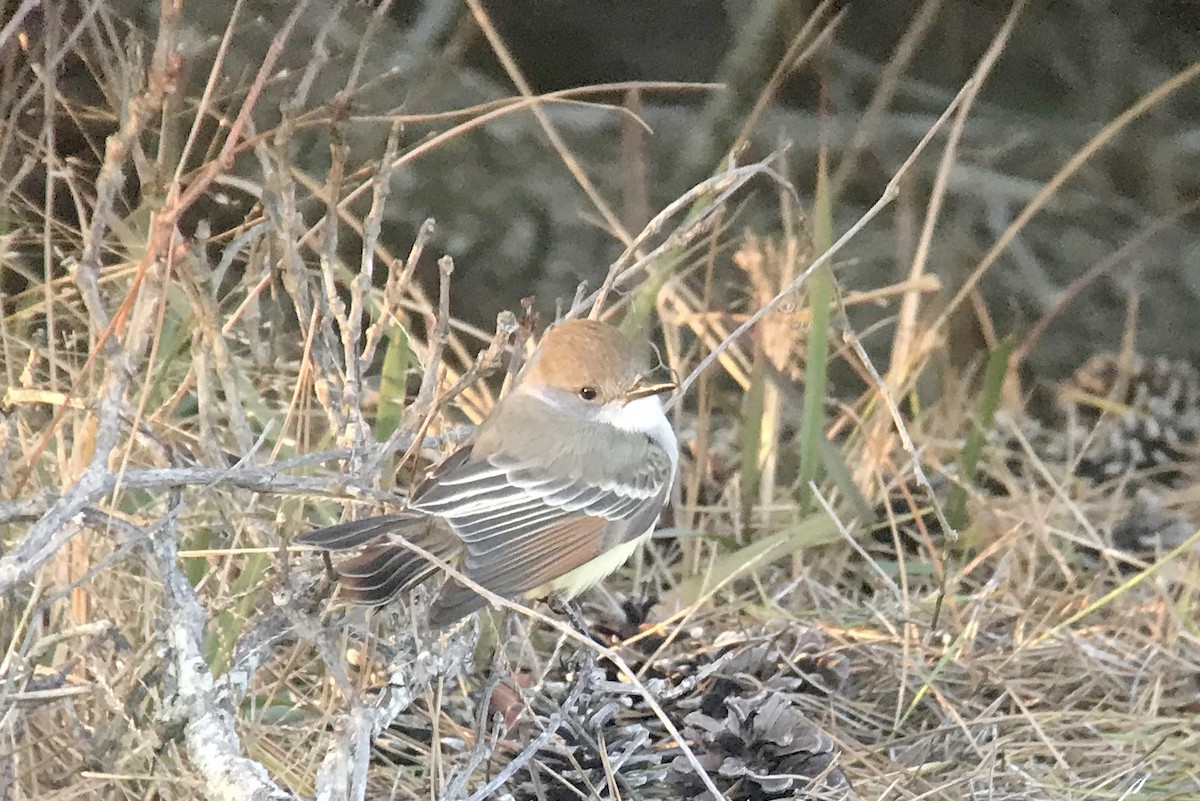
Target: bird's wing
531, 563
356, 533
523, 526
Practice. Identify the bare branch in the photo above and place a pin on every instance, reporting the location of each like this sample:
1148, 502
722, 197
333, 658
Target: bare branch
212, 740
343, 772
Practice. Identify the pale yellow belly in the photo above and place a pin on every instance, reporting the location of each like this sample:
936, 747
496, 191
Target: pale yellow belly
591, 573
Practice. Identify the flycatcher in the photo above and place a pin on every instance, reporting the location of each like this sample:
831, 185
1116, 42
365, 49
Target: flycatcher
555, 489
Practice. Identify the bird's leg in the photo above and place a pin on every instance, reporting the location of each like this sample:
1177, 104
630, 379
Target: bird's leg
562, 605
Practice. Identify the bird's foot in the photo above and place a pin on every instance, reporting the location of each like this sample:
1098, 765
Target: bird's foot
562, 605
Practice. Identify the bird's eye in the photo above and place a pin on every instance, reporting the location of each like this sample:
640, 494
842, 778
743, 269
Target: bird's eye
588, 393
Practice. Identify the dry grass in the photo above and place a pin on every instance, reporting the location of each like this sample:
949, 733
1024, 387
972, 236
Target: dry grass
176, 407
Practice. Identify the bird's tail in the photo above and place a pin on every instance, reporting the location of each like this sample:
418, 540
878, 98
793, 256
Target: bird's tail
386, 568
454, 602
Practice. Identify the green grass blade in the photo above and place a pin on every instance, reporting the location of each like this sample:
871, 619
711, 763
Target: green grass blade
833, 460
820, 297
989, 402
393, 382
646, 297
657, 274
817, 529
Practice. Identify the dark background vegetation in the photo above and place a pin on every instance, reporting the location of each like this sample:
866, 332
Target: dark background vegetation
516, 223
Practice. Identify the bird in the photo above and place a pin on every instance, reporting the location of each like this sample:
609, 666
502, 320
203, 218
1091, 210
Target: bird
556, 488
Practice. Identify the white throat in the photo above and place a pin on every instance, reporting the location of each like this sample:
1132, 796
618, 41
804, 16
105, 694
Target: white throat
642, 416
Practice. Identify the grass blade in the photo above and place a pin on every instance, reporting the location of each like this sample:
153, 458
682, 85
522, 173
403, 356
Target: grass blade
989, 402
820, 296
817, 529
393, 382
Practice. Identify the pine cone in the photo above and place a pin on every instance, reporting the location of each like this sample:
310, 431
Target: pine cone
1140, 419
572, 762
764, 748
785, 660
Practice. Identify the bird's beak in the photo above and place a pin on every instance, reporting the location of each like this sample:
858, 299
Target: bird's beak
645, 389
